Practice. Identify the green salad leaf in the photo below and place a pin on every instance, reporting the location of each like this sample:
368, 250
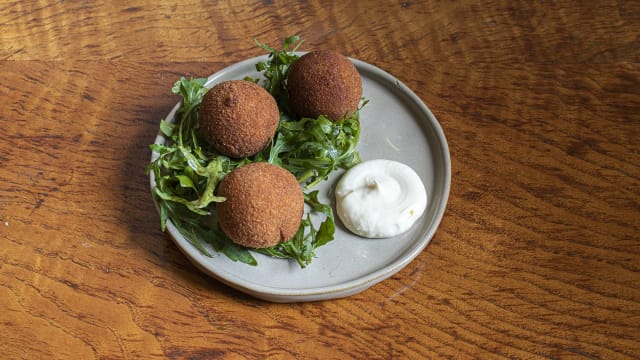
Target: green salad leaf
313, 148
187, 169
276, 69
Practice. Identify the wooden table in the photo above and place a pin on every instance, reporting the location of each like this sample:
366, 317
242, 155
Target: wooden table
538, 254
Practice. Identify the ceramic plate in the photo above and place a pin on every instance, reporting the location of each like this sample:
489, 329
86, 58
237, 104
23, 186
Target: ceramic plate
396, 125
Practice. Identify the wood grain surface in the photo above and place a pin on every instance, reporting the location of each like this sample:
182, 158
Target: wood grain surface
538, 254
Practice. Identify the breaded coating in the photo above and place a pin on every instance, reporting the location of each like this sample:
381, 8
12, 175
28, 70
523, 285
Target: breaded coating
238, 118
263, 207
324, 83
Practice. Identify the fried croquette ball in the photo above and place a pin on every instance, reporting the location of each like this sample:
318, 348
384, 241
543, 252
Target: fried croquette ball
238, 118
263, 207
324, 83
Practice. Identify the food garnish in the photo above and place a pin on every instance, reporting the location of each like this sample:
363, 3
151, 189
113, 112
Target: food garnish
187, 169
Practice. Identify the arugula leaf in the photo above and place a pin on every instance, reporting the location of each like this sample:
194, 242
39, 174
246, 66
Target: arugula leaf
276, 69
327, 228
313, 148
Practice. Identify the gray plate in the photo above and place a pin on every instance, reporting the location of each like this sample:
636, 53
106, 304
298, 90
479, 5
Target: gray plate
396, 125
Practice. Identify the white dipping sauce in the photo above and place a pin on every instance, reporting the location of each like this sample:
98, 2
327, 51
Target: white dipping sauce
380, 198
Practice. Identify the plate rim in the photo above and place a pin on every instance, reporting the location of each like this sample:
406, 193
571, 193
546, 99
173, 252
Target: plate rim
345, 288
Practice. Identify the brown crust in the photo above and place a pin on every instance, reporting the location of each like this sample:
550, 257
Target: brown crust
238, 118
263, 207
324, 83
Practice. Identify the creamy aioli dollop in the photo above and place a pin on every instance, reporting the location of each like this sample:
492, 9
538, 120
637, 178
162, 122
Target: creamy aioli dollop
380, 198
